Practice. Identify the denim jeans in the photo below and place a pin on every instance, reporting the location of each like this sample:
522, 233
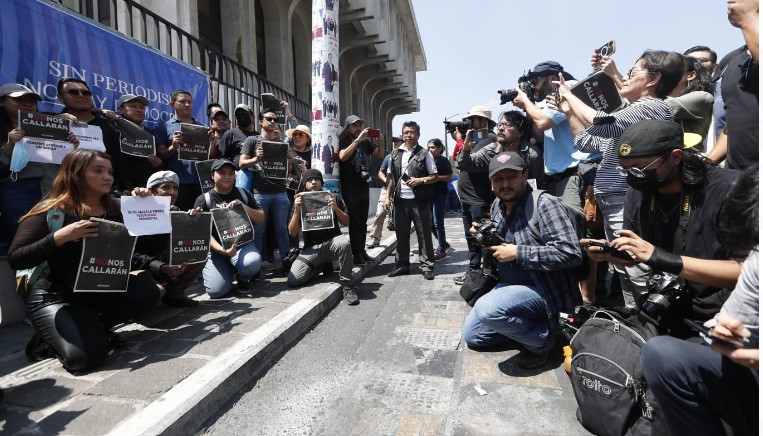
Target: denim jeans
632, 278
509, 312
438, 219
472, 213
16, 199
219, 270
277, 206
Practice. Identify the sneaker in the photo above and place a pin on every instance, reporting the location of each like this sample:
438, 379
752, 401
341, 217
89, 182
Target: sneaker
243, 286
349, 296
439, 255
460, 279
531, 359
372, 243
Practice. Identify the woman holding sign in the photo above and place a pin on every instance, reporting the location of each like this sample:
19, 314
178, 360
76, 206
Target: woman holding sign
75, 326
232, 248
22, 183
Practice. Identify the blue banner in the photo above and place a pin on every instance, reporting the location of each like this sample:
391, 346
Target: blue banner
41, 44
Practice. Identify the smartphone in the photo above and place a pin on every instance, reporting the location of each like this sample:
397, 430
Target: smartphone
478, 135
405, 177
374, 133
708, 333
610, 250
607, 49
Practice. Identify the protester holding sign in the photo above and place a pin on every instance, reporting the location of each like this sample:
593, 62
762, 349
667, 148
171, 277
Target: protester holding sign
170, 140
154, 249
145, 162
244, 260
270, 193
322, 246
300, 140
74, 327
23, 183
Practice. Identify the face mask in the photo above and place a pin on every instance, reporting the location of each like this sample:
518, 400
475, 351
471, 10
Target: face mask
649, 183
243, 120
19, 160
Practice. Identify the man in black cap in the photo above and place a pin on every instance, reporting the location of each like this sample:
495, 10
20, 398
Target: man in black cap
229, 145
657, 230
322, 247
354, 146
560, 158
534, 268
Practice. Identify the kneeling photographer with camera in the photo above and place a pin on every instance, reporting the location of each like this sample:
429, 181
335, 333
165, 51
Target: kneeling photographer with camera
670, 221
535, 280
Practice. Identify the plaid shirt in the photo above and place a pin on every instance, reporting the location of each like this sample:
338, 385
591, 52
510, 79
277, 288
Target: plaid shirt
547, 259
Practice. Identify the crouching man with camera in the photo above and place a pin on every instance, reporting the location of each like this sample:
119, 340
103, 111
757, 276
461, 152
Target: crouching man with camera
671, 212
534, 267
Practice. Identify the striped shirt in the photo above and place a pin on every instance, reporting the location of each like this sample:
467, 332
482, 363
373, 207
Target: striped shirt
603, 135
549, 258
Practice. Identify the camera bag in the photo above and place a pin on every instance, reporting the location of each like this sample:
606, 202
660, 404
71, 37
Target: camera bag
612, 396
478, 282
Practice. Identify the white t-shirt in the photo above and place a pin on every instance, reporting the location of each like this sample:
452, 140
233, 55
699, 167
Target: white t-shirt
405, 191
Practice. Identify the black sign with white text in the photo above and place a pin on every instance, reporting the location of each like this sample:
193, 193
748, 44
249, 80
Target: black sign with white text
105, 262
316, 212
274, 162
204, 171
134, 139
189, 240
233, 225
195, 142
599, 92
36, 125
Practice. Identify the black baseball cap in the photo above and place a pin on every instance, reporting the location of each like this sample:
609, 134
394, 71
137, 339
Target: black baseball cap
650, 138
549, 68
508, 160
219, 163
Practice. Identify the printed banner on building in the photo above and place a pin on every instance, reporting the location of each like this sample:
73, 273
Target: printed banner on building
189, 241
316, 212
44, 42
105, 262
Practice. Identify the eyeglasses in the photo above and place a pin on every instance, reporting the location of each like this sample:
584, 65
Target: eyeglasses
634, 71
635, 172
746, 66
83, 92
504, 125
270, 119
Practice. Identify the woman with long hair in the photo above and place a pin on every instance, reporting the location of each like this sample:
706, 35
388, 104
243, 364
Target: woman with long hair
74, 327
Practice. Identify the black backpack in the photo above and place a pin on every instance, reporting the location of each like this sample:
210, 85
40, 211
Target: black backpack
612, 396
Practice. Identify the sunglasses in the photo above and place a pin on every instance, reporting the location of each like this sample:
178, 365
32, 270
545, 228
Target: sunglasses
74, 92
746, 66
270, 119
636, 172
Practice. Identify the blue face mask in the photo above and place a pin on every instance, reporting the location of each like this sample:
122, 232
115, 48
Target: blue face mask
19, 160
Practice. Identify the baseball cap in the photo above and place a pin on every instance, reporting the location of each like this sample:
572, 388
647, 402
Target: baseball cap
548, 68
221, 111
508, 160
243, 106
219, 163
130, 97
650, 138
17, 90
160, 177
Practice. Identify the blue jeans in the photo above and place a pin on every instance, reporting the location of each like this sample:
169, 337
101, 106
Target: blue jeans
438, 220
277, 205
219, 270
16, 199
515, 312
472, 213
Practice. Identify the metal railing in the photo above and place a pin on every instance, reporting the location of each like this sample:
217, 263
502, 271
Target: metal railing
231, 82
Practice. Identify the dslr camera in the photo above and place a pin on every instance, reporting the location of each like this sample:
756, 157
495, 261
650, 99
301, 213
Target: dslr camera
461, 126
487, 235
665, 290
525, 83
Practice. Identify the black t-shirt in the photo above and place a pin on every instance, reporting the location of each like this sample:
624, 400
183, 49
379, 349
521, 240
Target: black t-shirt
742, 111
218, 200
443, 167
230, 143
474, 187
261, 184
349, 177
315, 237
700, 241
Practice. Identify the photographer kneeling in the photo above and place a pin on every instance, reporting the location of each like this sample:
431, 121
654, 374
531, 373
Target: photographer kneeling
671, 210
535, 278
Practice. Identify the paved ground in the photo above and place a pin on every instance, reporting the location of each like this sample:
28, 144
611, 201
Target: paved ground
396, 365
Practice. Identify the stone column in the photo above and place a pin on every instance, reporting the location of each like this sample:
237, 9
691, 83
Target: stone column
325, 91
